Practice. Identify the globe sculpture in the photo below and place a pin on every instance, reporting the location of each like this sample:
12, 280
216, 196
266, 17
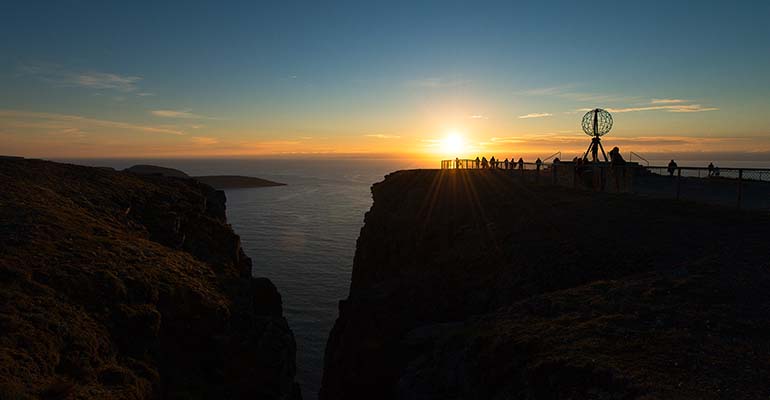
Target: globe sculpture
596, 123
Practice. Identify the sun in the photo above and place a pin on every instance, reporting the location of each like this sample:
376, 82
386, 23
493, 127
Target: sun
452, 144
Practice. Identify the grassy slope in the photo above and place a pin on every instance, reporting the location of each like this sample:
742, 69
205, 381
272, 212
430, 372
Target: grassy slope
118, 286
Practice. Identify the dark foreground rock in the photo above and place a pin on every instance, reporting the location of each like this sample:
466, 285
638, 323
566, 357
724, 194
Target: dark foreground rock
473, 285
120, 286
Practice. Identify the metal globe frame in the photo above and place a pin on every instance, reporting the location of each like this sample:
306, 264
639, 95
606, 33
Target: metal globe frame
596, 123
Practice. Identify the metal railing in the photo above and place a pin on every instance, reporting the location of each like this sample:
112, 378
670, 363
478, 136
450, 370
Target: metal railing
558, 153
631, 158
740, 187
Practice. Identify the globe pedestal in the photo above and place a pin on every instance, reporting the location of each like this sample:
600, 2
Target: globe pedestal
593, 148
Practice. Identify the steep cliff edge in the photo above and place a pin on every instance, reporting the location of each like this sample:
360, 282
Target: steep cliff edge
474, 285
120, 286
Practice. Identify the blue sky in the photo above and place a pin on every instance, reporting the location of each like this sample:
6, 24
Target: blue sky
219, 78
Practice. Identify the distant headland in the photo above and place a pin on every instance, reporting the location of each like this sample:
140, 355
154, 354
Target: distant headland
215, 181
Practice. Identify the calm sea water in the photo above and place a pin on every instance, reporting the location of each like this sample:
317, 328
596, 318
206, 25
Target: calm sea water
301, 236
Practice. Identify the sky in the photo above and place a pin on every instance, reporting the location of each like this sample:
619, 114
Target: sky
426, 79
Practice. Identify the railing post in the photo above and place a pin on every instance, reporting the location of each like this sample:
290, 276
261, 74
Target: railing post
740, 186
678, 182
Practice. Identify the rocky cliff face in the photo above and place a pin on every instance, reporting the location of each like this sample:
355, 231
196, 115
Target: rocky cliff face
474, 285
120, 286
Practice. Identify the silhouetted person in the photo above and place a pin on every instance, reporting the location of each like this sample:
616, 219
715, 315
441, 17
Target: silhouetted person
711, 169
615, 157
484, 162
538, 163
556, 161
672, 167
477, 162
716, 171
457, 163
580, 165
493, 162
521, 163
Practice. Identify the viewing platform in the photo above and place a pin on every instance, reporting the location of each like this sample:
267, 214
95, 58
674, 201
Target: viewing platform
738, 187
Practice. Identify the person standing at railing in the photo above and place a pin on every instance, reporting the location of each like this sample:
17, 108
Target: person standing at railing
711, 169
672, 168
538, 163
484, 163
477, 162
493, 162
505, 163
615, 157
521, 163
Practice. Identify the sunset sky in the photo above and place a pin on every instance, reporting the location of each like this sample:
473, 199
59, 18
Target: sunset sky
428, 79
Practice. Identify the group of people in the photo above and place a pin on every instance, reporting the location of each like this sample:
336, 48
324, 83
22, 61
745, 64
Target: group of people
713, 170
493, 163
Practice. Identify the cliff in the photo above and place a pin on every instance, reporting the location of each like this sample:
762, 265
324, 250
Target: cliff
120, 286
474, 285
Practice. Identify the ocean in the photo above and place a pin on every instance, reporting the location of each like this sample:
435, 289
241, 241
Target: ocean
301, 236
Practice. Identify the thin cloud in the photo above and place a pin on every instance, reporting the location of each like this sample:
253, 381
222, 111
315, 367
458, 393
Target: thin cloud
547, 91
69, 132
477, 116
568, 92
535, 115
693, 108
514, 139
437, 83
672, 108
102, 80
51, 121
177, 114
97, 80
668, 101
664, 105
204, 140
380, 136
